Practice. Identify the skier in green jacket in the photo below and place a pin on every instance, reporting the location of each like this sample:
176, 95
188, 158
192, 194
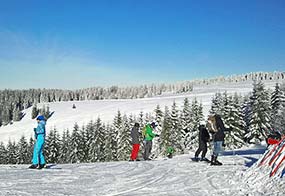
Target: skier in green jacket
149, 135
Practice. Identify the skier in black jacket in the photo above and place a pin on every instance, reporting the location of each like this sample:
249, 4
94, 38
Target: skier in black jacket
204, 137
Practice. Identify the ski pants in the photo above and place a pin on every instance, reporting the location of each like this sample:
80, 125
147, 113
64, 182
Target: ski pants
202, 148
147, 149
218, 148
38, 157
135, 151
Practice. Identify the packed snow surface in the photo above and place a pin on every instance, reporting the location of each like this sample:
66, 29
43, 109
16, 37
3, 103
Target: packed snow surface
177, 176
64, 117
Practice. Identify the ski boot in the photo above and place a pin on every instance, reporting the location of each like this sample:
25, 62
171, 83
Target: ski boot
205, 159
213, 160
41, 166
33, 166
218, 162
196, 159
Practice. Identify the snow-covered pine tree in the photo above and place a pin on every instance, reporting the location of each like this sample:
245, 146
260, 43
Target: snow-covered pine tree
11, 152
35, 111
22, 153
196, 119
3, 154
17, 114
6, 115
30, 148
141, 119
246, 108
225, 106
52, 146
165, 132
175, 130
96, 150
158, 118
65, 148
259, 126
234, 118
149, 117
101, 136
216, 106
132, 119
280, 119
186, 124
124, 140
85, 145
117, 124
89, 139
277, 106
110, 144
76, 142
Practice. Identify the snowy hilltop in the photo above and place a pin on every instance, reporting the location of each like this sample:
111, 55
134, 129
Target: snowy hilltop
87, 106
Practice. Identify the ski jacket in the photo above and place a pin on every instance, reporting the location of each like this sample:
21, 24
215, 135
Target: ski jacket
219, 135
203, 134
149, 134
135, 135
41, 129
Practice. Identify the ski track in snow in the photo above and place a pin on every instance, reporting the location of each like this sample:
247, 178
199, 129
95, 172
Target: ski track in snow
177, 176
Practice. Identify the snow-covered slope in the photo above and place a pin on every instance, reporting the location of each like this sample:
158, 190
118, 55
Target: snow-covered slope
64, 116
177, 176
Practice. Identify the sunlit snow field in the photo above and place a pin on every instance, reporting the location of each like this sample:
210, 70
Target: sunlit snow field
64, 116
177, 176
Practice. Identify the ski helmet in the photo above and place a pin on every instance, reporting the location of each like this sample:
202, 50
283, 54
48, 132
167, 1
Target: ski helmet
41, 117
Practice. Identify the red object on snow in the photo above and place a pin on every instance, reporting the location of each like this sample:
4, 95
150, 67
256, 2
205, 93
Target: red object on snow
135, 151
271, 141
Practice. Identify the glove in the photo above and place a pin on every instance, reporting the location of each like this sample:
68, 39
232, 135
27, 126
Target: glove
224, 145
156, 135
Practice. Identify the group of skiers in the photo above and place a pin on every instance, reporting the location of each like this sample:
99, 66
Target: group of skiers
148, 136
217, 129
214, 125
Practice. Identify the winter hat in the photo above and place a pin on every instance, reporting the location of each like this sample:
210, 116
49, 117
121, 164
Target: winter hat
137, 125
41, 117
153, 124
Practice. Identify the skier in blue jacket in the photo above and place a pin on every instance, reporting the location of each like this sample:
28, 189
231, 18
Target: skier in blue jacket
38, 161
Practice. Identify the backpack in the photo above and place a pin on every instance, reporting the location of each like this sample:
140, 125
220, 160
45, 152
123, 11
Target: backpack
144, 132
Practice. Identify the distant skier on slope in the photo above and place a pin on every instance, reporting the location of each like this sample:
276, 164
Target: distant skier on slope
204, 137
135, 142
38, 161
149, 135
217, 129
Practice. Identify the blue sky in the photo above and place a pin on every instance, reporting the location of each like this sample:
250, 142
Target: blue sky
75, 44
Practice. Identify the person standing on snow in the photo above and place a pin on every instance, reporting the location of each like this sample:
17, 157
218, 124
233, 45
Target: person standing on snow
217, 128
38, 161
149, 135
204, 137
135, 142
